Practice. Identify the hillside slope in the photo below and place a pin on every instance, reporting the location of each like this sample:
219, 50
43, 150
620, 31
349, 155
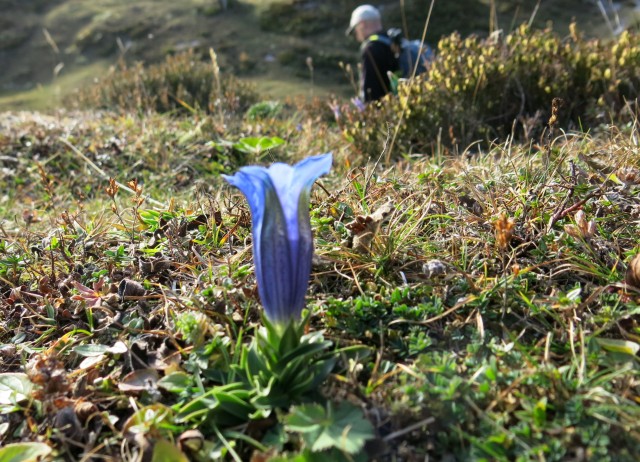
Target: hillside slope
67, 42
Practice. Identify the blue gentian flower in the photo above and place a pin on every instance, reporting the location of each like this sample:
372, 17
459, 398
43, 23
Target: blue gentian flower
278, 197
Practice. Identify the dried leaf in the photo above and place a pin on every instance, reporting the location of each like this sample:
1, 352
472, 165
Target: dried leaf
364, 228
434, 269
633, 272
504, 229
191, 440
139, 381
130, 288
157, 265
628, 176
581, 220
68, 423
573, 231
85, 410
49, 373
472, 205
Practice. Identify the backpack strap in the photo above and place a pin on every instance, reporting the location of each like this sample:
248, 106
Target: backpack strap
376, 38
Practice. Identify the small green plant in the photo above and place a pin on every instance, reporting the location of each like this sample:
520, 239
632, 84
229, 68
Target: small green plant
257, 147
264, 110
284, 367
322, 429
118, 255
192, 325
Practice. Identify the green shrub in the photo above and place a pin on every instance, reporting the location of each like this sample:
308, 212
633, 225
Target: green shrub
483, 89
180, 83
264, 110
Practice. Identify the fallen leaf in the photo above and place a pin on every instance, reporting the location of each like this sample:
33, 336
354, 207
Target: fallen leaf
633, 272
138, 381
118, 348
364, 228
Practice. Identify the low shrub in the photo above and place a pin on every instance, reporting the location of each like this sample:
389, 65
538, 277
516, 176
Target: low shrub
486, 88
181, 83
264, 110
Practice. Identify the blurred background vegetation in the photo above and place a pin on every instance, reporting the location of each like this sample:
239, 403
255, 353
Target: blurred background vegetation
49, 48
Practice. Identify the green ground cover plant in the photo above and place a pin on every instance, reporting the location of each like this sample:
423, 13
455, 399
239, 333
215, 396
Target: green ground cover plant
472, 302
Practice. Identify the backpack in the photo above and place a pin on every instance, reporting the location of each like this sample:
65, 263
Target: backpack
411, 52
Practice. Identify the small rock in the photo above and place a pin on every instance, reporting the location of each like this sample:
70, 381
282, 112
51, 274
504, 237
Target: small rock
434, 269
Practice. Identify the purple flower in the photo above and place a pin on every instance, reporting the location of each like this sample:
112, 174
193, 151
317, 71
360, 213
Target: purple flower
278, 197
335, 107
357, 102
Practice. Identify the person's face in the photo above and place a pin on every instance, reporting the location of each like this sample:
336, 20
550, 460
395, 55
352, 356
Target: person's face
359, 31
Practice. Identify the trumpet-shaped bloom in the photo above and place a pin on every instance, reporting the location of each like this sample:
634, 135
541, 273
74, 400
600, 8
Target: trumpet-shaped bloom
278, 197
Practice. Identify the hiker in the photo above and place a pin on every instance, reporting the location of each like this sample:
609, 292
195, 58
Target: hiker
377, 57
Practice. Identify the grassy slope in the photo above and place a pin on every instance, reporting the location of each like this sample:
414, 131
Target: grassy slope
86, 33
497, 318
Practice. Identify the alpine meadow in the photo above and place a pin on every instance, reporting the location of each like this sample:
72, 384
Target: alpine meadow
210, 250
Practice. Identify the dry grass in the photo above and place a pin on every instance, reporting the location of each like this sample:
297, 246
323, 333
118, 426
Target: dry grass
496, 314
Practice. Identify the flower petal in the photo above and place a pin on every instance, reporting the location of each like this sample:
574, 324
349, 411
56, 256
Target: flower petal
273, 262
294, 183
282, 238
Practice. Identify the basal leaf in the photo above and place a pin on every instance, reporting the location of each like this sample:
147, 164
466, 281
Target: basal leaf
175, 382
350, 429
305, 419
148, 418
14, 387
24, 452
164, 451
342, 427
619, 346
91, 350
234, 404
255, 145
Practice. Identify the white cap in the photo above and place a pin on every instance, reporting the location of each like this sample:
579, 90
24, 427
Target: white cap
362, 13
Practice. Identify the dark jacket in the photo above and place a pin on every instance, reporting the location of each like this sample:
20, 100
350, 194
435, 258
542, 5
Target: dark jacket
377, 59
